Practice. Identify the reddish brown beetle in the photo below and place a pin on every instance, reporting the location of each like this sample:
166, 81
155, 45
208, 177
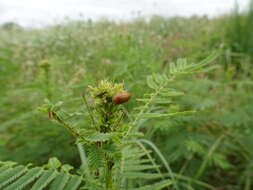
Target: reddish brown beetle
121, 98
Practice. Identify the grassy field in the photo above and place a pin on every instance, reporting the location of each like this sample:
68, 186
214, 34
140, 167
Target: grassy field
57, 63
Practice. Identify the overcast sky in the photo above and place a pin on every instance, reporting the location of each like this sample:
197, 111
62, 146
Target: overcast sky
41, 12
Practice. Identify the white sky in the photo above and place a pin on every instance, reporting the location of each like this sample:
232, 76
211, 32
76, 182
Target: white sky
41, 12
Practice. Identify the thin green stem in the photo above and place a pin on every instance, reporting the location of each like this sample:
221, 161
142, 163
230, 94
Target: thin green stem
108, 174
82, 154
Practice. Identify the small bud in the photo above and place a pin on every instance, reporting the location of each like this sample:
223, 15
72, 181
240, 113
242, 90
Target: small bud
121, 98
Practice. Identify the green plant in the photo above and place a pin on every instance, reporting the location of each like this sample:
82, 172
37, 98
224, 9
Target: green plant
111, 142
213, 145
52, 176
239, 38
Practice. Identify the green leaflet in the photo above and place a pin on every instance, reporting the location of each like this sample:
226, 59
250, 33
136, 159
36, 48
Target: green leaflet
44, 180
151, 83
29, 177
60, 182
141, 175
73, 183
4, 168
156, 186
156, 101
9, 175
171, 94
98, 137
137, 167
158, 115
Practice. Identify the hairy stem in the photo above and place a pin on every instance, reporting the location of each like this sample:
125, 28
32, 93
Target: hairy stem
108, 174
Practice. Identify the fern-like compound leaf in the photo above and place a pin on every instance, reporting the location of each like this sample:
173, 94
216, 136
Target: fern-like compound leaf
26, 179
59, 182
44, 180
95, 158
138, 165
11, 174
161, 95
73, 183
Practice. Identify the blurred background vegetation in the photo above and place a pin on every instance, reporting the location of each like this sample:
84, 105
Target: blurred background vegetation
59, 62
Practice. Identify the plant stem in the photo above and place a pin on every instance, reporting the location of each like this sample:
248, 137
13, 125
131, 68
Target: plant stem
108, 174
82, 154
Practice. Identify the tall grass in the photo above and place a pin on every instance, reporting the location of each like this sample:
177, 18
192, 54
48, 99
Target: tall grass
239, 34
